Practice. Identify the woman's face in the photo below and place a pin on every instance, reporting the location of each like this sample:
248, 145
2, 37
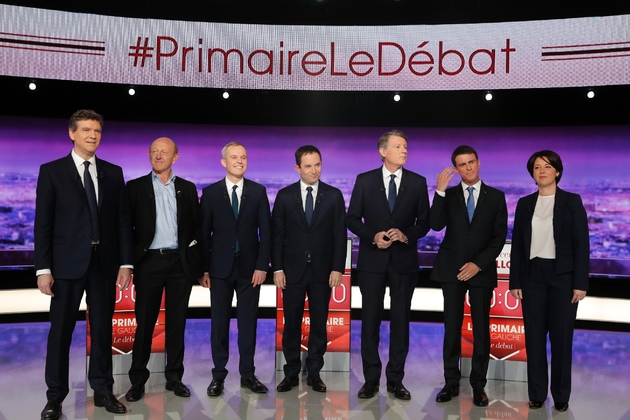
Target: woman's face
545, 175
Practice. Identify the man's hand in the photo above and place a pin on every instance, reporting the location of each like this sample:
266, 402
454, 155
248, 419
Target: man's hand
259, 277
468, 271
44, 284
280, 280
380, 242
517, 293
205, 280
335, 278
396, 235
124, 277
444, 178
578, 295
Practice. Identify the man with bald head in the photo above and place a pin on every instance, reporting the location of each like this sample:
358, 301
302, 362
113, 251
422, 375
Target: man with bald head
168, 257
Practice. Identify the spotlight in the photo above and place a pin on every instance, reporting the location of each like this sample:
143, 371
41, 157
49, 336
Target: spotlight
32, 86
226, 94
489, 96
590, 94
396, 97
131, 91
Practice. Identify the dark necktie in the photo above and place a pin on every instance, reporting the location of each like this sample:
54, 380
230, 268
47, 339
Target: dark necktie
391, 198
90, 191
470, 203
308, 208
235, 210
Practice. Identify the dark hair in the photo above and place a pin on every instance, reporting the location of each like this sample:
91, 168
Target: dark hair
463, 150
82, 115
548, 156
305, 150
383, 142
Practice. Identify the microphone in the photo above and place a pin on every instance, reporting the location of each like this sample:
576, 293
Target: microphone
178, 194
100, 175
243, 197
402, 189
76, 175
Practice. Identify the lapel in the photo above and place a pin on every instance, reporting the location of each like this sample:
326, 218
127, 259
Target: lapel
558, 216
530, 206
226, 198
296, 195
148, 190
380, 186
178, 198
100, 175
73, 173
318, 201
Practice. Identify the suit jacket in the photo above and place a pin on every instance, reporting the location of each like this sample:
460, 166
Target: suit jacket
220, 229
368, 214
294, 239
570, 233
62, 220
143, 218
479, 241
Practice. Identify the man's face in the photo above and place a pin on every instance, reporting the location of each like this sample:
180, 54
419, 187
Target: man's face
162, 155
310, 168
396, 152
467, 166
235, 161
86, 138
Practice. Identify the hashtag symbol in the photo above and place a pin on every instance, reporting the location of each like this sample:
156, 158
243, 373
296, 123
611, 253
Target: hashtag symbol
140, 51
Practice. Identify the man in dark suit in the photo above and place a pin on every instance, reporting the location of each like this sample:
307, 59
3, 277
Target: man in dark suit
309, 253
82, 243
236, 234
389, 212
168, 259
475, 217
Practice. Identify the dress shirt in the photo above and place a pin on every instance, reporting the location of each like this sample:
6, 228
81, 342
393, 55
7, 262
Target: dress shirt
387, 176
476, 186
165, 212
239, 190
78, 161
303, 191
543, 245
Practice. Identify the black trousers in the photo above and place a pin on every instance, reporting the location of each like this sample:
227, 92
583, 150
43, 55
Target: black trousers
100, 294
154, 275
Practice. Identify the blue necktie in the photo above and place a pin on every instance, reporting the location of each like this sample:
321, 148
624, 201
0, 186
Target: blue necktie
90, 191
391, 198
308, 208
235, 210
470, 203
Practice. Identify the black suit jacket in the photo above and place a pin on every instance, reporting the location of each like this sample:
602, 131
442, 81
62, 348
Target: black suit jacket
62, 220
293, 238
220, 229
368, 214
143, 218
570, 233
479, 241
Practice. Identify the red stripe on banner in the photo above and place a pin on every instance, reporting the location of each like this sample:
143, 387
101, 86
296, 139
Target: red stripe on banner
579, 52
52, 37
51, 44
55, 51
585, 58
587, 45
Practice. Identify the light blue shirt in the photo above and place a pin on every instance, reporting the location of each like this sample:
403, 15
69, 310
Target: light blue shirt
165, 212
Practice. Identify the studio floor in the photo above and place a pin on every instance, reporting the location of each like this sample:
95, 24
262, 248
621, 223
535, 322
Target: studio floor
601, 382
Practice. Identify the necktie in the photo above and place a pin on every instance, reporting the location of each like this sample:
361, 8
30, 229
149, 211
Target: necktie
470, 203
308, 208
391, 198
235, 210
90, 191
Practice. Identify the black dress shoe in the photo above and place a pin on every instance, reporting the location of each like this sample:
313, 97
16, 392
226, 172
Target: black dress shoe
480, 399
216, 387
178, 388
110, 403
317, 383
135, 393
535, 404
447, 393
252, 383
564, 406
369, 389
287, 383
399, 390
52, 411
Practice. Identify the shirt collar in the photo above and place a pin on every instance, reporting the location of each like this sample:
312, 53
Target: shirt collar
230, 184
303, 186
477, 186
171, 179
387, 174
78, 160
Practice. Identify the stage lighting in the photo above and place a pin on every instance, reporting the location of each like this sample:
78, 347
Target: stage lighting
32, 86
396, 97
226, 94
489, 96
590, 94
131, 91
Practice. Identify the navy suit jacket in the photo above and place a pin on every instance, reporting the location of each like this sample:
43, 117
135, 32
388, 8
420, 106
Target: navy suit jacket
220, 229
479, 241
368, 214
62, 220
143, 218
293, 239
570, 233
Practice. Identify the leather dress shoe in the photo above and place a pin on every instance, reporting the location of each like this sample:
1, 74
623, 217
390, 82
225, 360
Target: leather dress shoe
110, 403
52, 411
317, 383
252, 383
369, 389
480, 399
447, 393
178, 388
535, 404
216, 387
399, 390
562, 406
135, 393
287, 383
